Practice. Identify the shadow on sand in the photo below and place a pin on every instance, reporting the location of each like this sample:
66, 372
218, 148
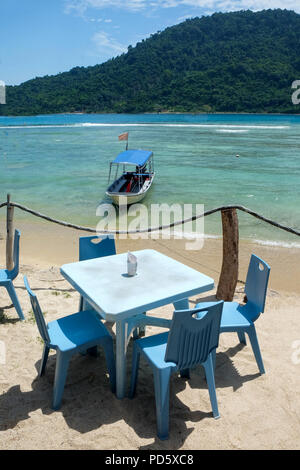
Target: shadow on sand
89, 404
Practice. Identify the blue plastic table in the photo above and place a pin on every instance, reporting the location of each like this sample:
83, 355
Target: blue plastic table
160, 280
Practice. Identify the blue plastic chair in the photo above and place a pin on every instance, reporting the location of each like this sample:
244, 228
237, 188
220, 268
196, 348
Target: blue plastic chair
68, 336
191, 341
240, 318
7, 277
88, 249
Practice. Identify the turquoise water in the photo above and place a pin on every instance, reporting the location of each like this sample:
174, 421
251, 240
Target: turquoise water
58, 164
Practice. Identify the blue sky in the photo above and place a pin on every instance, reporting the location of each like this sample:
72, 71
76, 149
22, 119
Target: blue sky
44, 37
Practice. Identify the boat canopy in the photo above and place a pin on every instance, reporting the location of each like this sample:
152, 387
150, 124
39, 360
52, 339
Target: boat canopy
133, 157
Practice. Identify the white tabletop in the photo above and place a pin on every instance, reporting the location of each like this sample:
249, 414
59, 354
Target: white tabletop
160, 280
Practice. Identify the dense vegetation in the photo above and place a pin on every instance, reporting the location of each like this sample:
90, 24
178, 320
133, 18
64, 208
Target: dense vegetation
232, 62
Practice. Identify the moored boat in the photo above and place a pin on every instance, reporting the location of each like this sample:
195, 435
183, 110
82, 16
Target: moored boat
131, 184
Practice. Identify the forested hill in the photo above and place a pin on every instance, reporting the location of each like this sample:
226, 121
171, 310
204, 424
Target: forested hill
231, 62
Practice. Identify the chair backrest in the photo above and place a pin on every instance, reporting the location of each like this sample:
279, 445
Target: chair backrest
39, 317
257, 283
191, 339
89, 249
15, 271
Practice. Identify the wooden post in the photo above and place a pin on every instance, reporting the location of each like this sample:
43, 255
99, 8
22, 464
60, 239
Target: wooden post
230, 266
9, 234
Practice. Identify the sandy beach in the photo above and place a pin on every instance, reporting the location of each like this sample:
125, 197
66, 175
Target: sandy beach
257, 412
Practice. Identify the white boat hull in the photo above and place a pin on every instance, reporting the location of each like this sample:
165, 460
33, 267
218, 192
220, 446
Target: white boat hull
121, 198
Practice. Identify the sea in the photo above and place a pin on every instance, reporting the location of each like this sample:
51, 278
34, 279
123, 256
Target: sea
59, 165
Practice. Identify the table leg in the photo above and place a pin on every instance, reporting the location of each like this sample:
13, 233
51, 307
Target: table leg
142, 329
120, 358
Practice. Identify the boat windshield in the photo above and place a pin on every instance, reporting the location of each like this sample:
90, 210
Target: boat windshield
133, 179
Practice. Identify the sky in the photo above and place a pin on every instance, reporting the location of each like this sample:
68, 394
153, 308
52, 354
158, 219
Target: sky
45, 37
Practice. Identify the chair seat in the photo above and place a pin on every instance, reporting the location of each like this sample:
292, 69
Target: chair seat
76, 330
232, 315
154, 348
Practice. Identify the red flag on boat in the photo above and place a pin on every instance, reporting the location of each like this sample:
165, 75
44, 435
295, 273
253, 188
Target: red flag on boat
123, 136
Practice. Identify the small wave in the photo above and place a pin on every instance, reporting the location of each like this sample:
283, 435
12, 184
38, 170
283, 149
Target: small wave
271, 243
277, 243
233, 127
214, 237
195, 235
189, 235
226, 126
38, 126
232, 131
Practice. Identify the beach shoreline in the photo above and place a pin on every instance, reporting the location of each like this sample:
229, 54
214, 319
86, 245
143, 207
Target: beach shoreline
45, 244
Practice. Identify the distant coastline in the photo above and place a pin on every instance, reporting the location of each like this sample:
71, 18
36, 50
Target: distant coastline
215, 113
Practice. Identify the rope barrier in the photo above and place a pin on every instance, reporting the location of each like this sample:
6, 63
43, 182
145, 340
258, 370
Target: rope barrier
50, 219
265, 219
161, 227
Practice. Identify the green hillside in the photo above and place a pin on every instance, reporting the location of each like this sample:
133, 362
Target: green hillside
231, 62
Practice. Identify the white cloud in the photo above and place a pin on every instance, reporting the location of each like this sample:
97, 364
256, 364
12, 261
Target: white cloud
80, 6
231, 5
105, 42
